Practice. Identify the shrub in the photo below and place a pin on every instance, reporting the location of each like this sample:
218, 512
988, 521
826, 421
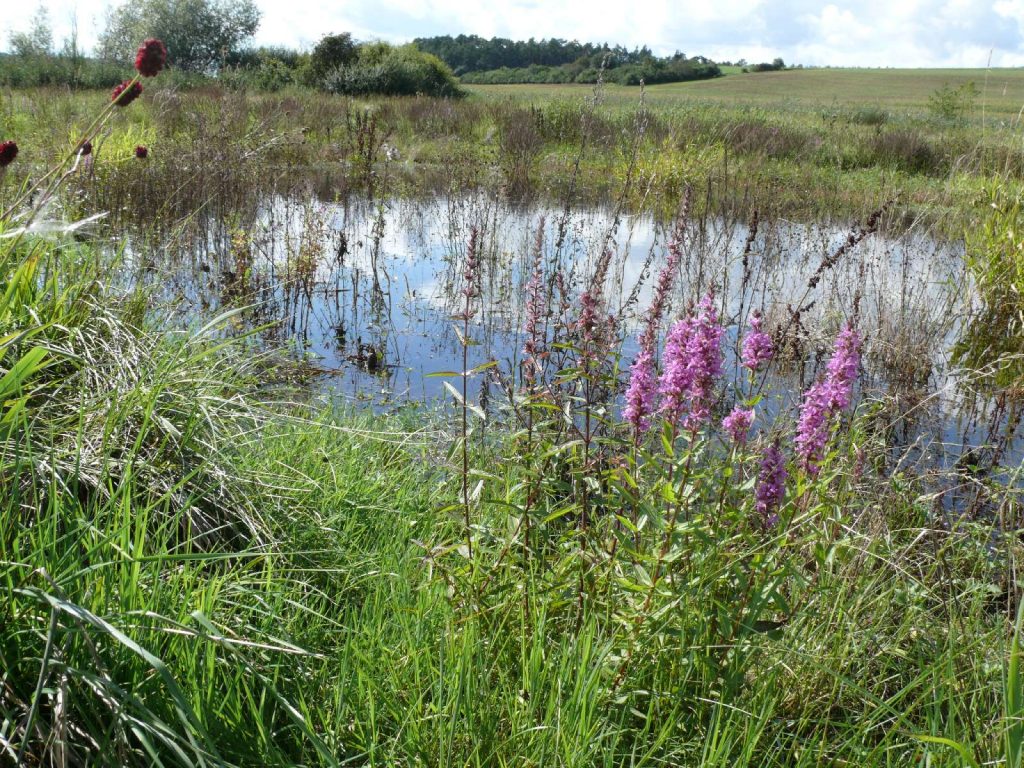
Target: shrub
385, 69
953, 104
332, 52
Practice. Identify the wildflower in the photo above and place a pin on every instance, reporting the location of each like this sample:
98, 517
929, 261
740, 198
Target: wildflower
125, 93
640, 393
737, 424
825, 398
757, 346
771, 485
534, 310
8, 151
86, 149
693, 360
141, 152
842, 368
151, 58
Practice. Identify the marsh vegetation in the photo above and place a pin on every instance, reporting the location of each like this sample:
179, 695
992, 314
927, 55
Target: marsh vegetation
528, 428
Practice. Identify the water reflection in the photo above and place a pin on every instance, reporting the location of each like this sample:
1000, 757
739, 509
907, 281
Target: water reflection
364, 291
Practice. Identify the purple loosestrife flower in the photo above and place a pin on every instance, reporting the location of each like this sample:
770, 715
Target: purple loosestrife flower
661, 291
812, 429
587, 324
470, 276
640, 393
757, 346
826, 398
737, 424
693, 360
771, 485
842, 368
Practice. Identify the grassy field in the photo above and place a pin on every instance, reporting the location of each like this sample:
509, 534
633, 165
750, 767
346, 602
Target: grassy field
202, 563
1001, 91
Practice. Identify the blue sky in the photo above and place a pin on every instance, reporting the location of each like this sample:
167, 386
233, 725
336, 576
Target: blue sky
879, 33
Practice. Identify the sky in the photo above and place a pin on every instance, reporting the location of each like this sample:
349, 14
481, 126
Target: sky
867, 33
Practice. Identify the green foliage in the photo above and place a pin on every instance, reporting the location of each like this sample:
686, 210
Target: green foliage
74, 71
472, 53
953, 104
397, 71
775, 66
38, 40
332, 52
199, 34
192, 573
651, 72
992, 340
267, 73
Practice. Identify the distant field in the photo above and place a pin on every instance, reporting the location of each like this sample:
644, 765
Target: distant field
1002, 90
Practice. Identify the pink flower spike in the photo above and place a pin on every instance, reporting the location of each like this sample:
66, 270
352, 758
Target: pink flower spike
738, 424
757, 345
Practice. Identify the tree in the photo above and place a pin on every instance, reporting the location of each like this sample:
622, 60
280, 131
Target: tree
38, 41
199, 34
331, 52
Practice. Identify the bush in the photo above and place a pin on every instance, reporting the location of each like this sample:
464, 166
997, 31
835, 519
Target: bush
385, 69
270, 74
331, 52
76, 72
953, 104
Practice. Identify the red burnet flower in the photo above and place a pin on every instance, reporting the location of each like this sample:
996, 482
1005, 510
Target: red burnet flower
125, 93
151, 58
8, 151
85, 149
141, 152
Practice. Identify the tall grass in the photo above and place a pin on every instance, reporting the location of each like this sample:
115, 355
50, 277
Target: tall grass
804, 160
196, 570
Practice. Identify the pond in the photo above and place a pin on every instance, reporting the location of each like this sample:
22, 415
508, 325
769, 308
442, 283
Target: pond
364, 291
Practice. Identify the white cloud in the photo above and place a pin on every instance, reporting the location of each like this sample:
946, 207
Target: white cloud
843, 32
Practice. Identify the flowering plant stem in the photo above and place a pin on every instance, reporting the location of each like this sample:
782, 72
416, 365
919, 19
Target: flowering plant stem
674, 508
88, 135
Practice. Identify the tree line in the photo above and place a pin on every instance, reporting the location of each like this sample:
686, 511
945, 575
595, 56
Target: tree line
500, 60
211, 38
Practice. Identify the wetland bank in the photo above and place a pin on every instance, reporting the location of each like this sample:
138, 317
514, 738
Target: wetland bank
534, 430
